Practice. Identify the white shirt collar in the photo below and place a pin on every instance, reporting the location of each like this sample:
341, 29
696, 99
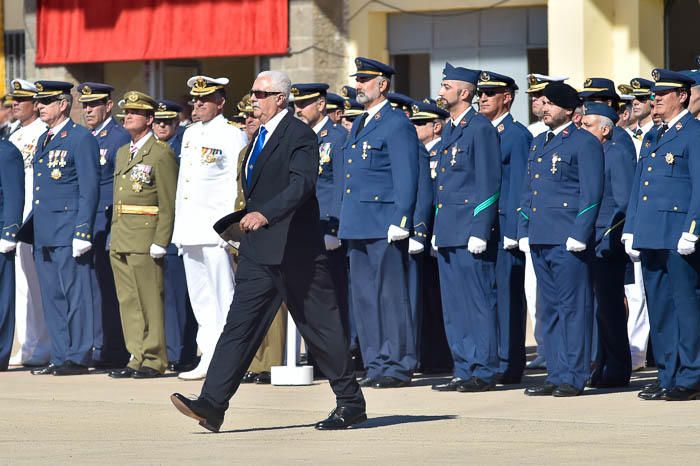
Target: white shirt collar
319, 126
498, 120
432, 144
271, 125
140, 143
218, 117
645, 129
561, 128
677, 117
459, 118
373, 110
101, 127
56, 129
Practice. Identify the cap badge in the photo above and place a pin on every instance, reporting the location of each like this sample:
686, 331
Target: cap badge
485, 76
132, 97
346, 104
532, 80
200, 83
358, 62
162, 107
415, 108
39, 87
17, 85
636, 84
656, 75
588, 82
87, 90
295, 91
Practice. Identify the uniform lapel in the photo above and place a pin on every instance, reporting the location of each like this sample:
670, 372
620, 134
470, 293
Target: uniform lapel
141, 153
672, 131
56, 140
559, 139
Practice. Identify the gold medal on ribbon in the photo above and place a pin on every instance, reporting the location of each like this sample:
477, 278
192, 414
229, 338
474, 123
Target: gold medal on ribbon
56, 174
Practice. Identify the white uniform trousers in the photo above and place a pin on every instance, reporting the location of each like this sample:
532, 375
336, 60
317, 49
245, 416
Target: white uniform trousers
638, 319
30, 329
531, 300
210, 283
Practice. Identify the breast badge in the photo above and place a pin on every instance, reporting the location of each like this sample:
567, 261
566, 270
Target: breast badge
669, 158
140, 175
555, 159
210, 155
453, 160
324, 152
103, 157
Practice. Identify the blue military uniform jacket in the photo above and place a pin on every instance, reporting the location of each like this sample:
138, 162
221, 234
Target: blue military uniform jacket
380, 173
423, 213
468, 181
623, 138
110, 139
176, 141
11, 191
330, 175
619, 172
665, 199
564, 188
515, 146
66, 186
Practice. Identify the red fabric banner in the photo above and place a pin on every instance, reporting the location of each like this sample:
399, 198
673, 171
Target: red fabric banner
88, 31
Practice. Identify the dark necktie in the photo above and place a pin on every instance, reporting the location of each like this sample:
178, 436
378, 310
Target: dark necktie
638, 133
663, 129
49, 137
363, 119
259, 143
548, 137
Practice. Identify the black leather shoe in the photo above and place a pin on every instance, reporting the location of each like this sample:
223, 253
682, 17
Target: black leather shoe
146, 373
366, 382
71, 368
475, 384
604, 383
249, 377
124, 373
390, 382
172, 366
681, 393
46, 370
565, 390
342, 417
263, 378
199, 410
654, 386
546, 389
653, 395
505, 379
450, 386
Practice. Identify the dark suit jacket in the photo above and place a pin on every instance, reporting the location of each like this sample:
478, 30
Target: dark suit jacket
283, 189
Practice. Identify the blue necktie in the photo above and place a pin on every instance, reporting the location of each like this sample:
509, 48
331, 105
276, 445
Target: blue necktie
256, 152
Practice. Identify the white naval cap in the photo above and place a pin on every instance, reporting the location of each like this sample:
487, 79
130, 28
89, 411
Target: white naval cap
204, 85
23, 88
537, 82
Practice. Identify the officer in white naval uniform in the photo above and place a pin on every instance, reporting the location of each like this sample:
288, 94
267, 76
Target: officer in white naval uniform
30, 329
206, 191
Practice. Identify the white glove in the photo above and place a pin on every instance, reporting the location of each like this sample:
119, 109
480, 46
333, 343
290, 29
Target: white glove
476, 245
332, 242
222, 244
628, 239
396, 233
573, 245
509, 243
179, 250
7, 246
524, 244
686, 245
433, 242
80, 247
156, 251
414, 246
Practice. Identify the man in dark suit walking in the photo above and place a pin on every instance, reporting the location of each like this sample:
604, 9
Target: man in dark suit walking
280, 259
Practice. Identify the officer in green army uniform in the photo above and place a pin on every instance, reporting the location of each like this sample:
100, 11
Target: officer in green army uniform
145, 180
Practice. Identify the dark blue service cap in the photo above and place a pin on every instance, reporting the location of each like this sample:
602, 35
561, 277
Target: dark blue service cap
305, 91
562, 95
491, 80
398, 100
51, 88
334, 101
694, 75
352, 108
598, 87
427, 109
90, 92
167, 109
368, 68
348, 92
667, 80
599, 108
456, 73
641, 86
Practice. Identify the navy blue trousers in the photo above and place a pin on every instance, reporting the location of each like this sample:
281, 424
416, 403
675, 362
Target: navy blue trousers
7, 307
671, 283
510, 282
180, 323
469, 301
565, 308
415, 296
66, 294
382, 308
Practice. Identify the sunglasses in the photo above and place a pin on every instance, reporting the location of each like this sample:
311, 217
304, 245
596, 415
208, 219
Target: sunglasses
47, 100
263, 94
165, 122
421, 122
488, 92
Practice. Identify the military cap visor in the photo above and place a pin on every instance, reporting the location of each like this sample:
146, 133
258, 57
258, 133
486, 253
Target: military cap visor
167, 109
51, 89
90, 92
368, 68
204, 85
667, 80
334, 101
135, 100
537, 82
22, 88
307, 91
489, 80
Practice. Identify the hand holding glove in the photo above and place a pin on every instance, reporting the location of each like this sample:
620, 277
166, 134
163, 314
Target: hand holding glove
524, 244
509, 243
573, 245
633, 254
7, 246
156, 251
332, 242
80, 247
415, 246
396, 233
476, 245
686, 244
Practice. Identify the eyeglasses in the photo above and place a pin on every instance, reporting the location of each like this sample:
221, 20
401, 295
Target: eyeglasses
487, 92
48, 100
421, 122
263, 94
164, 122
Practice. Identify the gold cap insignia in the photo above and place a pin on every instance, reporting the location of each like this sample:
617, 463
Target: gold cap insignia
162, 107
200, 83
87, 90
295, 91
532, 80
39, 87
132, 97
636, 84
656, 75
588, 82
485, 76
344, 91
17, 86
358, 62
414, 108
347, 105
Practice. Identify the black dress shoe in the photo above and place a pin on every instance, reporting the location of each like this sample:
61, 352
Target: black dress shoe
475, 384
342, 417
367, 382
46, 370
450, 386
390, 382
172, 366
654, 386
681, 393
264, 378
546, 389
566, 390
71, 368
605, 383
146, 373
506, 379
124, 373
249, 377
653, 395
199, 410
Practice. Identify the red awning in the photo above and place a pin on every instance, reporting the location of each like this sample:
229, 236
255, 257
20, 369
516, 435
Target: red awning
88, 31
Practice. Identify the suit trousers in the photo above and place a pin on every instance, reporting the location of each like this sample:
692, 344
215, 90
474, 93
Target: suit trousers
512, 315
271, 350
469, 301
66, 294
139, 281
565, 309
306, 287
30, 327
7, 307
382, 307
671, 282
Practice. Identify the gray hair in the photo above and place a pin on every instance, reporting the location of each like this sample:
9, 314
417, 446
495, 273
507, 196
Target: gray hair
605, 122
280, 81
69, 99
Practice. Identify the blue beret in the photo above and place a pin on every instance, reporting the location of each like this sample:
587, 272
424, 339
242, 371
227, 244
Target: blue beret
93, 91
598, 87
51, 88
427, 110
401, 101
666, 80
694, 75
333, 101
599, 108
308, 91
348, 92
167, 109
562, 95
368, 68
453, 73
641, 86
491, 80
